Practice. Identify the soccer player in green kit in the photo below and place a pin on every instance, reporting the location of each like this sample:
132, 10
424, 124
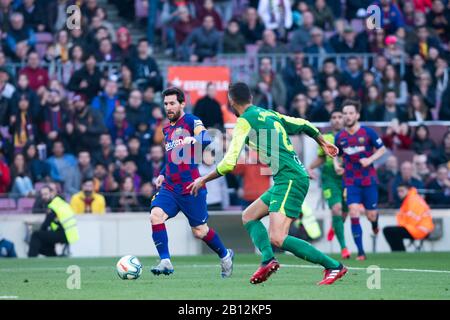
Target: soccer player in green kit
267, 131
332, 185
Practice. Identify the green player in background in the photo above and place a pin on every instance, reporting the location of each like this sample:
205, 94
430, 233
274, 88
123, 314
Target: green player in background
267, 132
332, 186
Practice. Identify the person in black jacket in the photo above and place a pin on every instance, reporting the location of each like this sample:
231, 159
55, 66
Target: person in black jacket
87, 80
208, 109
144, 67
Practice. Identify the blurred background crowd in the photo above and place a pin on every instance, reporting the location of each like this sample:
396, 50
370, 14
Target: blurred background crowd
81, 108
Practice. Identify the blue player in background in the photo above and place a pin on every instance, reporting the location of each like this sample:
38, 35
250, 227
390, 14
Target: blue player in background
359, 146
185, 138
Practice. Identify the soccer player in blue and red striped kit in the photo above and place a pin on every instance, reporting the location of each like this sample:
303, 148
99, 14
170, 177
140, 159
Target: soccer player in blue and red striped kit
185, 138
359, 146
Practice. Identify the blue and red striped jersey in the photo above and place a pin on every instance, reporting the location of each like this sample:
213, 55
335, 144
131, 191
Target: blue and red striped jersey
181, 161
353, 147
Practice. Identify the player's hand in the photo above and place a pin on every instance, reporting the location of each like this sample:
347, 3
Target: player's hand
365, 162
339, 170
312, 174
330, 149
189, 140
196, 185
159, 181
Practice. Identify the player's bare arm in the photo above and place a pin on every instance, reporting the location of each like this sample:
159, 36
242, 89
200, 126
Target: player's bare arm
337, 166
315, 164
159, 181
329, 148
365, 162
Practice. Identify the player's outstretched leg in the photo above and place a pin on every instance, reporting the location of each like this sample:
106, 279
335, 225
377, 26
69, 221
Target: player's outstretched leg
260, 238
279, 228
338, 227
357, 230
212, 240
159, 235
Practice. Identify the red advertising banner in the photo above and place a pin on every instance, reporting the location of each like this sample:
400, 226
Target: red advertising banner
193, 80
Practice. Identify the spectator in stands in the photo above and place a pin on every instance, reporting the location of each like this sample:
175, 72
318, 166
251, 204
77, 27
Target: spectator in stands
439, 188
353, 73
405, 176
23, 127
87, 125
208, 109
414, 70
39, 169
329, 68
126, 83
130, 169
205, 40
5, 175
208, 10
20, 38
300, 80
425, 88
323, 16
6, 9
123, 47
372, 106
89, 8
101, 14
300, 107
84, 168
34, 15
391, 81
444, 110
183, 25
106, 52
270, 44
105, 154
420, 168
87, 200
269, 89
127, 201
154, 163
87, 80
349, 43
23, 88
391, 16
135, 112
144, 67
37, 76
145, 196
414, 219
386, 174
148, 102
53, 118
314, 98
319, 46
62, 168
397, 136
418, 110
393, 51
378, 68
255, 179
438, 18
301, 38
276, 16
251, 26
74, 64
345, 92
107, 101
442, 76
421, 140
331, 83
233, 39
441, 155
392, 110
22, 186
136, 155
322, 112
120, 129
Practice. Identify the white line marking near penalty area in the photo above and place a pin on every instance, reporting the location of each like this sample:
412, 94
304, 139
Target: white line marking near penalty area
9, 297
20, 269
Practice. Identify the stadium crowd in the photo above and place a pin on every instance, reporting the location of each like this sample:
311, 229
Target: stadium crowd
67, 117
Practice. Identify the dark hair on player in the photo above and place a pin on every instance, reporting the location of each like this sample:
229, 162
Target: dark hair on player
351, 102
336, 110
404, 185
174, 91
240, 93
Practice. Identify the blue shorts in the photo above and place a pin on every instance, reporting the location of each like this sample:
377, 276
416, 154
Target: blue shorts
365, 195
193, 207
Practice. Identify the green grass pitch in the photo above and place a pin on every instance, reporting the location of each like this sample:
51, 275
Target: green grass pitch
402, 276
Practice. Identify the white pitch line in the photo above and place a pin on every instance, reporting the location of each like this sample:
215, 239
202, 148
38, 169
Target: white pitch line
21, 269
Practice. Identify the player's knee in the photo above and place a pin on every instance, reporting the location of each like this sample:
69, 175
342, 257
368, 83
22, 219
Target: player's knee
277, 239
336, 210
200, 232
246, 217
354, 212
157, 216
